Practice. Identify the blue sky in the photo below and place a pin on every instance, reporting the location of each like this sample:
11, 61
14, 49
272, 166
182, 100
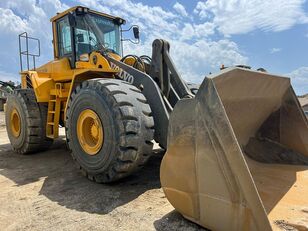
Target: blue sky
203, 34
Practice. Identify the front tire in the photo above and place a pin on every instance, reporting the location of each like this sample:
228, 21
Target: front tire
109, 129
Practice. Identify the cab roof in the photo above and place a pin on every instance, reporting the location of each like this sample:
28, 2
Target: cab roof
72, 9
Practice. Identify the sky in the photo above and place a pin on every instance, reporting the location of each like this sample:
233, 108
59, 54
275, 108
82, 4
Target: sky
203, 35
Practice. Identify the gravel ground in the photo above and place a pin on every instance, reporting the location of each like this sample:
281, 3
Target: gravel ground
45, 191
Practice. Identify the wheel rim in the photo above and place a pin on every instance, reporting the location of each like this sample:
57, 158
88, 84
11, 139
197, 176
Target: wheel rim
90, 132
15, 123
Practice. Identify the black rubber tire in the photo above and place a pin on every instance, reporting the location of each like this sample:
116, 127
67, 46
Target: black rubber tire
33, 118
128, 128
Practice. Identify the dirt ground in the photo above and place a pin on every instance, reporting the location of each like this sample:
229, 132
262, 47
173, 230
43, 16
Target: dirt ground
45, 191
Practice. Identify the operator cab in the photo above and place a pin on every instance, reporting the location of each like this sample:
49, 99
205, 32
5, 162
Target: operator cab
79, 31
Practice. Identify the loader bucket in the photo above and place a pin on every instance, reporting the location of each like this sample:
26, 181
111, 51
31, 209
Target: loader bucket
237, 154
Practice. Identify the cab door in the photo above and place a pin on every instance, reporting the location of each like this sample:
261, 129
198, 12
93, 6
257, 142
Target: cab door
65, 40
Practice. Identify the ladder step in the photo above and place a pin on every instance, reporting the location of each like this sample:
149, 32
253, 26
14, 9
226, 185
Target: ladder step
53, 116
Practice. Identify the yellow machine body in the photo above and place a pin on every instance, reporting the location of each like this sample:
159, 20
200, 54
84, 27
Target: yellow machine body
54, 81
44, 78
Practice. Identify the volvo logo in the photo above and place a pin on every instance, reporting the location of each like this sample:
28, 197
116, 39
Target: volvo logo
122, 74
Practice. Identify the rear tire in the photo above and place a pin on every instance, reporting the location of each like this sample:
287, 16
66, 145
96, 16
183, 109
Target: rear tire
127, 126
26, 122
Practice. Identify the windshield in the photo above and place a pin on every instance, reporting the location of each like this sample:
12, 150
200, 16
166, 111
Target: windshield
94, 32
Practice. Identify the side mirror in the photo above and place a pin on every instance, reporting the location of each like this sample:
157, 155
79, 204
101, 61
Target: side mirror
136, 32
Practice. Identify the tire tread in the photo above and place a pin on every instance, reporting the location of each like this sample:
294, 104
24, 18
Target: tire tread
35, 114
134, 123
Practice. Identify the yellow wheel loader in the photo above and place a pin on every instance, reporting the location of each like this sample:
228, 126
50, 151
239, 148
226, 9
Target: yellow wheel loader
236, 147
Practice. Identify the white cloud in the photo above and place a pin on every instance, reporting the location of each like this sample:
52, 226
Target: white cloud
194, 52
4, 76
275, 50
196, 31
180, 9
299, 80
25, 15
34, 14
195, 60
10, 23
127, 9
192, 48
242, 16
195, 47
206, 28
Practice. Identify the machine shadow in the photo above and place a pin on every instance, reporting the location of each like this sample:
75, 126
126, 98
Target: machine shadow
65, 185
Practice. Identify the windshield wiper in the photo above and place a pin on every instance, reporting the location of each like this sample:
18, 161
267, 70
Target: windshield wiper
96, 31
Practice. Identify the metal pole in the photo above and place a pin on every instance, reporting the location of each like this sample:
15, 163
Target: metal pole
20, 55
27, 50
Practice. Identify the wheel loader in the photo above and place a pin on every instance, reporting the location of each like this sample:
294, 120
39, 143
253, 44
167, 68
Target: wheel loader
236, 146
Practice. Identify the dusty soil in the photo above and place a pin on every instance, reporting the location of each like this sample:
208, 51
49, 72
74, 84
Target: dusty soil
45, 191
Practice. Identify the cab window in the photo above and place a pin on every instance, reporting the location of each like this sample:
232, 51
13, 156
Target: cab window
64, 37
94, 32
85, 41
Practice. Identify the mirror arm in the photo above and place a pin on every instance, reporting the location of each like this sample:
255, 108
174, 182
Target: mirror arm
129, 28
137, 41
